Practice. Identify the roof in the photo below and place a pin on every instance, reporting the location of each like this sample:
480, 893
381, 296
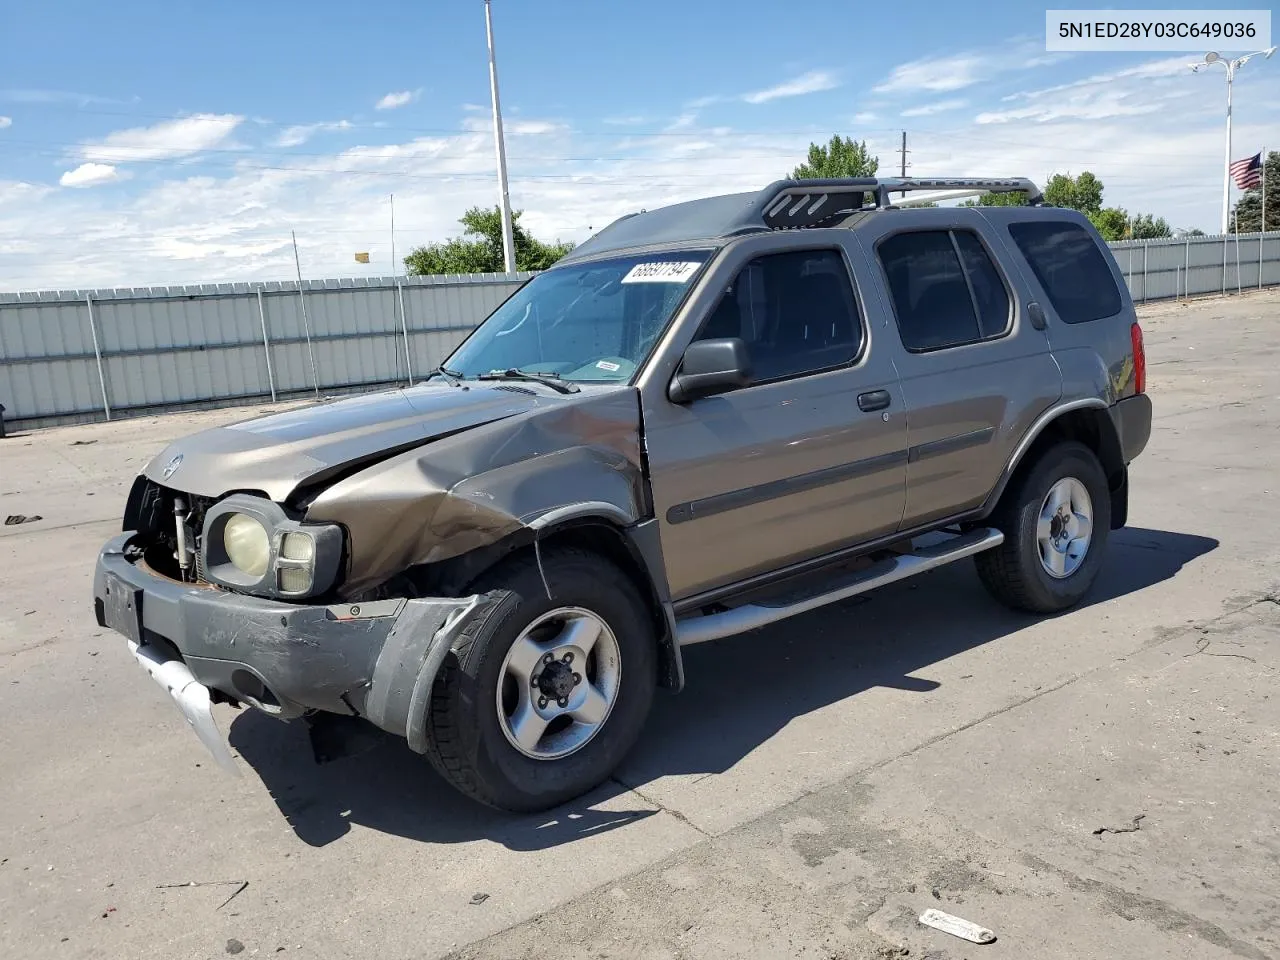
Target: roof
783, 205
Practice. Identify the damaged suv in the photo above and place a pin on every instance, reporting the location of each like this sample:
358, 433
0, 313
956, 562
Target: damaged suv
708, 418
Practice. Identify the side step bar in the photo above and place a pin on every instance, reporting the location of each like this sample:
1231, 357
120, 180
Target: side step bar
752, 616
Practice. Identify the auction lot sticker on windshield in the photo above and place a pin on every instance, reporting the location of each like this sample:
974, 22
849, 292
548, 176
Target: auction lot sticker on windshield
662, 271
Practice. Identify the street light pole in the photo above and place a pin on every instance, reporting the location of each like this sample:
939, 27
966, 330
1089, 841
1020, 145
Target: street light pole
508, 240
1231, 66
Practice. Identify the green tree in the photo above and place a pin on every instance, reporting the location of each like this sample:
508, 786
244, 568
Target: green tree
1112, 223
1083, 193
1146, 226
1248, 209
479, 249
998, 200
842, 157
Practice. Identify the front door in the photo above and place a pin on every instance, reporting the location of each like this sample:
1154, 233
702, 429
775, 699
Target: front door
790, 466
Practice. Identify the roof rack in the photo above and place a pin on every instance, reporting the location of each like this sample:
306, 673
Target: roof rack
795, 204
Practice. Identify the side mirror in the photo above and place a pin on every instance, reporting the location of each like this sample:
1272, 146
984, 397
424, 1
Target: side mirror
710, 367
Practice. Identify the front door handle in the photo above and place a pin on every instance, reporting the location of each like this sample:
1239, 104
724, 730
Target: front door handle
875, 400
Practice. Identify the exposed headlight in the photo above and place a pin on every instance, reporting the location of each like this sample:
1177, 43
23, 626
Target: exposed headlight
247, 544
250, 545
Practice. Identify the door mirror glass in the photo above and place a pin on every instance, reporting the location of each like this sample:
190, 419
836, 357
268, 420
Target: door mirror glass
710, 367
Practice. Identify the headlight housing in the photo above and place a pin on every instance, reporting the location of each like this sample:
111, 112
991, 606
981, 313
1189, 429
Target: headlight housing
251, 546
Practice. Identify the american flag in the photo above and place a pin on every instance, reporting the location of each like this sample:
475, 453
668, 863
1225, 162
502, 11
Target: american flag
1248, 173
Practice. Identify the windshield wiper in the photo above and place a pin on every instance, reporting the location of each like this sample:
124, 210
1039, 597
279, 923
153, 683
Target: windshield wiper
452, 377
552, 380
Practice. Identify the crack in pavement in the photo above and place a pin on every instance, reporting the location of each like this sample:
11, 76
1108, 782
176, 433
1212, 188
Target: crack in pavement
661, 806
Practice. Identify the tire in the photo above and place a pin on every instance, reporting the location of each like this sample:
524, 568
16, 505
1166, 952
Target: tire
1014, 572
471, 744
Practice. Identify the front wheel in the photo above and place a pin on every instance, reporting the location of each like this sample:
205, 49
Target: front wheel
1055, 524
549, 692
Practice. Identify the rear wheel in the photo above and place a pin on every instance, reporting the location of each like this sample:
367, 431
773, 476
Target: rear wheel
1056, 524
551, 690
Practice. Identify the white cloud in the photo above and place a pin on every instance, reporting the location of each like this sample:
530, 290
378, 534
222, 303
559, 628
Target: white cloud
532, 128
60, 96
6, 122
89, 175
929, 109
866, 116
164, 141
398, 99
1100, 96
814, 81
631, 121
232, 222
937, 74
513, 128
300, 133
701, 103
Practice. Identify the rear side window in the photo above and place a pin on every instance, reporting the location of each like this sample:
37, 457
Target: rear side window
946, 291
1071, 268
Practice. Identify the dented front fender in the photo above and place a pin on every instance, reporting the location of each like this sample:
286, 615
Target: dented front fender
478, 487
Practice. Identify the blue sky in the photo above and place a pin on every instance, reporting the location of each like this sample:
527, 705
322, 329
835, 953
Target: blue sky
148, 142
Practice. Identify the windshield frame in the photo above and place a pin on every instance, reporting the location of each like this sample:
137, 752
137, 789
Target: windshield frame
706, 250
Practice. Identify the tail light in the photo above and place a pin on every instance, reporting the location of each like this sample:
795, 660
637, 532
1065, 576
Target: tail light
1139, 360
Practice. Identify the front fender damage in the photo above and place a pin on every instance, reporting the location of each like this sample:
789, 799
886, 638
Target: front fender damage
488, 485
404, 676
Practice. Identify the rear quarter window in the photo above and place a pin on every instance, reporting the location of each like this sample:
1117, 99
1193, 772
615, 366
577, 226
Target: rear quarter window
1072, 270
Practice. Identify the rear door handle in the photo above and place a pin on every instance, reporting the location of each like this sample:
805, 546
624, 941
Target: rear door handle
875, 400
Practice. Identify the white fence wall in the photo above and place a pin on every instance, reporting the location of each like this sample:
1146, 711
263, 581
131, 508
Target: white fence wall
159, 348
72, 355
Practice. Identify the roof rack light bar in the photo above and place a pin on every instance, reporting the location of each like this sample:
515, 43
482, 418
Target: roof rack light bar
791, 204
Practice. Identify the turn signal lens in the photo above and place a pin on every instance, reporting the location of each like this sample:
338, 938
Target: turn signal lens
298, 546
295, 579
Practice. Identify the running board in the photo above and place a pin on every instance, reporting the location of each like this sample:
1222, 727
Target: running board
752, 616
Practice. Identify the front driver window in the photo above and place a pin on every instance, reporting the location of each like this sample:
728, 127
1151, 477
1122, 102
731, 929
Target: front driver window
796, 313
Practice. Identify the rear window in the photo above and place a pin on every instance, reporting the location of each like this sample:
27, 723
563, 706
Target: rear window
946, 291
1071, 268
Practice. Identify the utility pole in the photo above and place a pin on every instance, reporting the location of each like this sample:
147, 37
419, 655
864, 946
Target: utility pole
903, 152
508, 240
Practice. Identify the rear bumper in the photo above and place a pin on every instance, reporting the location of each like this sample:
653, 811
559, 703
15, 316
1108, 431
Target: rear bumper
376, 660
1132, 419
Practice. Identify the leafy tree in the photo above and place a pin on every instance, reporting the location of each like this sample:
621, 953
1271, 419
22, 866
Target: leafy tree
479, 249
1146, 226
1083, 193
842, 157
1248, 211
1195, 232
998, 200
1111, 223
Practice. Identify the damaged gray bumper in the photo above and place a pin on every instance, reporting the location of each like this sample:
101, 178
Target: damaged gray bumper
377, 660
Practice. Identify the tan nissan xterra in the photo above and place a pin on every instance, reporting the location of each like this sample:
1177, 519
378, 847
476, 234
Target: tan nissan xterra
708, 418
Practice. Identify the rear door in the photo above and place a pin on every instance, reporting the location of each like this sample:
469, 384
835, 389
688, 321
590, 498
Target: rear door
790, 466
1085, 297
976, 370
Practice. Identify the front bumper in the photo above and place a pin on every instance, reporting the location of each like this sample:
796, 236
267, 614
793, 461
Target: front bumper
376, 660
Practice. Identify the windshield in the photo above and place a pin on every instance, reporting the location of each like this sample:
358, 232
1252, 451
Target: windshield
589, 322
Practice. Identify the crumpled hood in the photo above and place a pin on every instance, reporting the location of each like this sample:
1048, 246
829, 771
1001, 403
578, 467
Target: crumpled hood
277, 453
